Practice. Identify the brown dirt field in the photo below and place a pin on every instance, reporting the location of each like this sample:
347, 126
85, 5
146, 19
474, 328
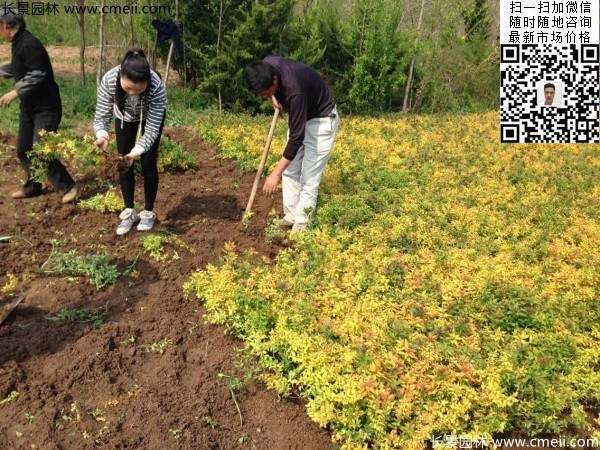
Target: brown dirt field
82, 387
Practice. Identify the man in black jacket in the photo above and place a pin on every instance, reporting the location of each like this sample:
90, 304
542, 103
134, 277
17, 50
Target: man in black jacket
41, 107
313, 127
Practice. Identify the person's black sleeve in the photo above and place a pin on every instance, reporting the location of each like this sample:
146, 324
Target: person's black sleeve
6, 71
33, 57
297, 125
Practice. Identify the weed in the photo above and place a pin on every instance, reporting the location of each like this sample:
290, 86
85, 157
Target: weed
234, 384
274, 230
97, 268
11, 397
63, 417
11, 284
154, 244
94, 317
176, 432
130, 269
247, 219
159, 346
210, 422
129, 341
98, 415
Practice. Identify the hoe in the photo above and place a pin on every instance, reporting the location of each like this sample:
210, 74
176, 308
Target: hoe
261, 166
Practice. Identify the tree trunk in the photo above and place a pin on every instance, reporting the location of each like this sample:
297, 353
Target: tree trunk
81, 21
362, 31
219, 50
405, 105
169, 62
131, 27
101, 49
152, 50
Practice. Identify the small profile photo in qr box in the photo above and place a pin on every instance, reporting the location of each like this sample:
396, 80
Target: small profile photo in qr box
550, 93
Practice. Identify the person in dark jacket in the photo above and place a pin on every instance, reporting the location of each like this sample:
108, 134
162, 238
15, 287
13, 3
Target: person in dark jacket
312, 129
41, 107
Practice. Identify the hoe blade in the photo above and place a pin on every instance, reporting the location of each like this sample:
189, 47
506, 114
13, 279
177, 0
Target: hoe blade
7, 306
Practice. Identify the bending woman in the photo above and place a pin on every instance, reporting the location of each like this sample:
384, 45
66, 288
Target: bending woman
137, 97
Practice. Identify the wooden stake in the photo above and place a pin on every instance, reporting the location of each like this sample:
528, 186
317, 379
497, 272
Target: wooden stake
169, 61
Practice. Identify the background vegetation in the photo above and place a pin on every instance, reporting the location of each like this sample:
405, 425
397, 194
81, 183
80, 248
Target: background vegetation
383, 55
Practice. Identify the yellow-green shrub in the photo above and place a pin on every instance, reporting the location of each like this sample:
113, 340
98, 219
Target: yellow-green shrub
451, 286
109, 201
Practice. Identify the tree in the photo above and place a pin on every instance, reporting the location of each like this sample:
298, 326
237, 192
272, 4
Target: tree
258, 32
100, 69
378, 69
476, 20
405, 105
81, 22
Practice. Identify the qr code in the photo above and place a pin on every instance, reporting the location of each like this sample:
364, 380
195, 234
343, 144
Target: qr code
528, 72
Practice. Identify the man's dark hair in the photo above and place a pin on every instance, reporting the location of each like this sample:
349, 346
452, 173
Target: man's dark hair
11, 20
259, 75
549, 85
135, 66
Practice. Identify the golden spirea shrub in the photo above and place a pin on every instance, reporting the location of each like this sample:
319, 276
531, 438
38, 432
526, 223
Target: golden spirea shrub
449, 285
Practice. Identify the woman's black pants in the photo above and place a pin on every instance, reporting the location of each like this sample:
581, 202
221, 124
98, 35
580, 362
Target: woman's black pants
126, 133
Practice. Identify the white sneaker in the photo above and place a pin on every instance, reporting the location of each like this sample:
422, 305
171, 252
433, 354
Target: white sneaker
147, 219
128, 219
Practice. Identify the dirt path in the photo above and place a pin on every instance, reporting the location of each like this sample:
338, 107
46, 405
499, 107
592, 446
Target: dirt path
83, 387
65, 60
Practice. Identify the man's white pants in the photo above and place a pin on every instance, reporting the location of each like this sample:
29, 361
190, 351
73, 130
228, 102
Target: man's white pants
300, 181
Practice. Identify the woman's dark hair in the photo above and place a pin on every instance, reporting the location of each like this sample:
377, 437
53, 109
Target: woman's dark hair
135, 66
259, 75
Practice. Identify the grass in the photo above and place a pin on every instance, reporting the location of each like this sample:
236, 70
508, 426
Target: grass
79, 103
